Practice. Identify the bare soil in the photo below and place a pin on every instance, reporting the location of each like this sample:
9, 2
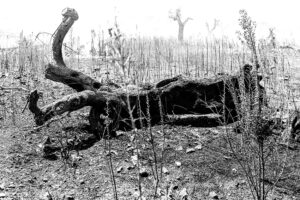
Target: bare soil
196, 164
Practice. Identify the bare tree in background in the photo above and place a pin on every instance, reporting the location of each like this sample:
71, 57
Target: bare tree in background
181, 23
272, 38
93, 51
211, 29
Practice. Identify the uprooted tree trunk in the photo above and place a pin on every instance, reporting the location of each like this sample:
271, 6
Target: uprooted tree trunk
176, 98
119, 109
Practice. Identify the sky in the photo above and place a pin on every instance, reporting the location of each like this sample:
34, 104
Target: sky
149, 18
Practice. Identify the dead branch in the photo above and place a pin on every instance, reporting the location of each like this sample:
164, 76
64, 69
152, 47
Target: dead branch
57, 69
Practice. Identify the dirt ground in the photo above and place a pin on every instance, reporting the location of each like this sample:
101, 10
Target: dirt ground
195, 164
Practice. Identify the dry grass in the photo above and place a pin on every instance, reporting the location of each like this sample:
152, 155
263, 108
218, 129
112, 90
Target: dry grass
26, 174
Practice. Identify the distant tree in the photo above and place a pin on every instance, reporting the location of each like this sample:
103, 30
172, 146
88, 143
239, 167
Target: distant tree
272, 38
93, 51
181, 23
210, 30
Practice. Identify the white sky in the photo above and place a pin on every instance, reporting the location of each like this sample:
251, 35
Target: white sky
150, 17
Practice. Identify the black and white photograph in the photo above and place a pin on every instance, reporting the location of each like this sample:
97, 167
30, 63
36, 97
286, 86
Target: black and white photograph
142, 100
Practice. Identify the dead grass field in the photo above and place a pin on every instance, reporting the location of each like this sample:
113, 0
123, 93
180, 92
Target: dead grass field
193, 163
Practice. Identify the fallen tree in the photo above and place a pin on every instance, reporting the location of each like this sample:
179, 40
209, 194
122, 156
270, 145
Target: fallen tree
118, 108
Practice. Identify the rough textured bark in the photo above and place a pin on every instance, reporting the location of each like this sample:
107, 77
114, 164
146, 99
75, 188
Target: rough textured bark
57, 69
208, 120
72, 78
68, 103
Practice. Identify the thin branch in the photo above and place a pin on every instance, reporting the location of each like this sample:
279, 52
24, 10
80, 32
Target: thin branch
186, 20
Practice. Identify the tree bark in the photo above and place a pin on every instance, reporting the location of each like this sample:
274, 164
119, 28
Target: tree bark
57, 70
